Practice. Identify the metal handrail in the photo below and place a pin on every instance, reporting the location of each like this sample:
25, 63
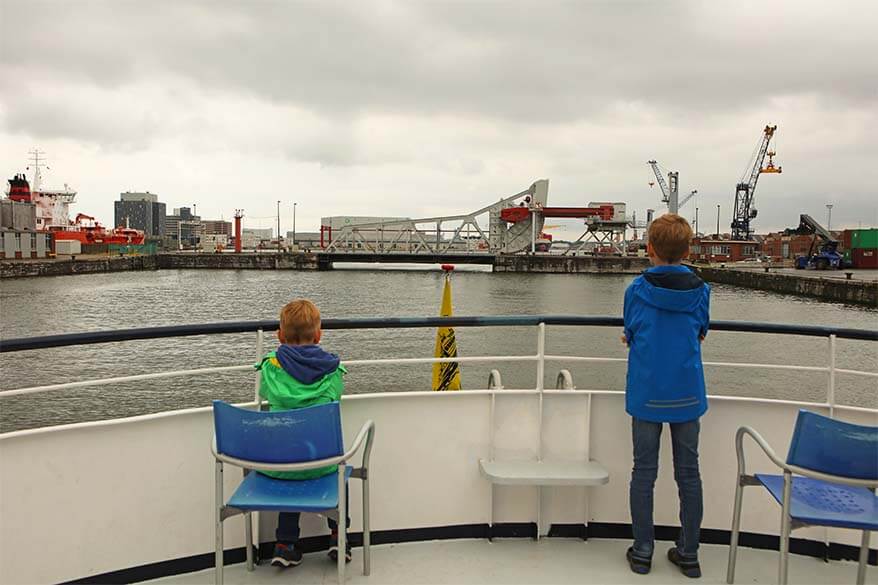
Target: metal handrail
67, 339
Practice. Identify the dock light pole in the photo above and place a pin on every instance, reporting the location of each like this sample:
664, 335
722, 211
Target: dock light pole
278, 226
717, 221
696, 221
829, 219
294, 223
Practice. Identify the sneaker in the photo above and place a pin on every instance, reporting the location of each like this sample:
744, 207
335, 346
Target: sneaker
286, 555
690, 568
333, 548
638, 565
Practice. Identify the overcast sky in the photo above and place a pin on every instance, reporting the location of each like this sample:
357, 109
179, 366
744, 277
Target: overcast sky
416, 108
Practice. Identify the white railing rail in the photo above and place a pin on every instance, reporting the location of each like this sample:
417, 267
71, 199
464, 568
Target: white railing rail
539, 358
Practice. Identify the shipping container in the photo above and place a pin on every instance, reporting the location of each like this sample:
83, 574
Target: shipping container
865, 238
864, 258
67, 247
846, 239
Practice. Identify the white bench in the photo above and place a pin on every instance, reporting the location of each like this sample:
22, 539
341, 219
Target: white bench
542, 472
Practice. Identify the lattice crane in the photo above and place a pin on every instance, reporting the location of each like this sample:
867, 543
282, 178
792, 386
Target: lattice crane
670, 189
746, 189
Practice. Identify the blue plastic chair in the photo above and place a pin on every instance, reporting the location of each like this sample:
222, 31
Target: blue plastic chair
289, 440
836, 472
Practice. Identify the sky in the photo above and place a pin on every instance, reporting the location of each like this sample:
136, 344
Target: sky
431, 108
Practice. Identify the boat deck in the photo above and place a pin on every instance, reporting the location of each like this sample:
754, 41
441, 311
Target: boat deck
551, 560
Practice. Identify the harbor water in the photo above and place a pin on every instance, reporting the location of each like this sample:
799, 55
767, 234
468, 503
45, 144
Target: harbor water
46, 306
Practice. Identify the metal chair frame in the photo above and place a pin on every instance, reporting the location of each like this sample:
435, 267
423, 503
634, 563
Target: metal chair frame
787, 523
366, 434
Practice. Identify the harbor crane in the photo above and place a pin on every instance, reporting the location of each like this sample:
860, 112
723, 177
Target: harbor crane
744, 210
671, 188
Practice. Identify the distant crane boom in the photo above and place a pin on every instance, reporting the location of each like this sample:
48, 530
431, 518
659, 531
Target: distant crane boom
688, 197
744, 192
666, 193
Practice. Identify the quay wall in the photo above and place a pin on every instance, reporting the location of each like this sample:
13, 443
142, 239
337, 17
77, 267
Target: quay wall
240, 261
79, 265
572, 264
861, 292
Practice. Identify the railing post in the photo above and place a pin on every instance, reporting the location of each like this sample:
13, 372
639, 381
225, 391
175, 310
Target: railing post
830, 398
260, 349
541, 374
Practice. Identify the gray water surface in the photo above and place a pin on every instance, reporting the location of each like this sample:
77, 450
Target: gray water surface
45, 306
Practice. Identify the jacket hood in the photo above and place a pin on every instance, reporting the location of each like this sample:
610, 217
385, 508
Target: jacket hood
672, 288
306, 363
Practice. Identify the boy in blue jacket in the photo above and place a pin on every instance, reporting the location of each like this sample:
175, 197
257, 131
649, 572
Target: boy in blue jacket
666, 318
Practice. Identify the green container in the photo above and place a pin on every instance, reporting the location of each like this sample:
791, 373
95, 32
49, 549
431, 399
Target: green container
146, 249
866, 238
847, 256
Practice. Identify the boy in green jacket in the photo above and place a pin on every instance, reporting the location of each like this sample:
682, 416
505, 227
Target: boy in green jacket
300, 374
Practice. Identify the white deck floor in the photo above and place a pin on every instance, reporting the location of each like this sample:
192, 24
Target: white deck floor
526, 561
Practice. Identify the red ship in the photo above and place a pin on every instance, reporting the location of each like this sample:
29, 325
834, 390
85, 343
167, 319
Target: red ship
53, 215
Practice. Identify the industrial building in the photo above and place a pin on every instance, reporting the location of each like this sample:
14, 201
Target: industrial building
718, 249
18, 238
304, 240
142, 211
182, 229
17, 215
253, 238
216, 227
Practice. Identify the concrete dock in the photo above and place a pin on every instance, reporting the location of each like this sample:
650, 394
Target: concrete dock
317, 261
826, 285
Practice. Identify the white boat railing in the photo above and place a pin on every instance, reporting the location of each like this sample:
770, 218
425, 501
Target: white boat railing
540, 358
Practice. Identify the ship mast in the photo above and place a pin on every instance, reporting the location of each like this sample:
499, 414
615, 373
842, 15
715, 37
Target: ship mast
35, 157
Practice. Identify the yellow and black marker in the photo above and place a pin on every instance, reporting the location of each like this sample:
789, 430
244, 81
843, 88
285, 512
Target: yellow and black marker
446, 376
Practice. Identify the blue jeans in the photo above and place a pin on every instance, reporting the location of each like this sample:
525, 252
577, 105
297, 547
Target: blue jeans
684, 439
288, 525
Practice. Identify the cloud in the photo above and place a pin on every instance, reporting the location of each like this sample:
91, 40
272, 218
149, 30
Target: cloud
438, 107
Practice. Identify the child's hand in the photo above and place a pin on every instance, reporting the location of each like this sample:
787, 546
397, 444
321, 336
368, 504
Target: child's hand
625, 340
700, 338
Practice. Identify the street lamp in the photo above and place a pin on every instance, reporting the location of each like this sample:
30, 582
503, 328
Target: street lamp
294, 224
829, 219
278, 226
717, 222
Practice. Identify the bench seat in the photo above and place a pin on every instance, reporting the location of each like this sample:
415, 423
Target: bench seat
544, 473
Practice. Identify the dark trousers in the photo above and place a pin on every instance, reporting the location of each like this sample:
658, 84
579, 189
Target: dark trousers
684, 439
288, 525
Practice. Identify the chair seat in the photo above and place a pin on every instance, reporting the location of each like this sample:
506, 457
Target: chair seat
823, 503
260, 492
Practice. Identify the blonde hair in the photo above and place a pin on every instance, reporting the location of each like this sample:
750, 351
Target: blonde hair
299, 322
670, 235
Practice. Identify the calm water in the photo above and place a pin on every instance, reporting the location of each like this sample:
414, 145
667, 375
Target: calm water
43, 306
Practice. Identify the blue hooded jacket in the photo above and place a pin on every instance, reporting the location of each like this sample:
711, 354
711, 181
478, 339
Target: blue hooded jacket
667, 311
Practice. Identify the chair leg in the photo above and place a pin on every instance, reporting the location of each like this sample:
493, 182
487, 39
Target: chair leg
785, 523
342, 523
736, 529
248, 539
218, 553
367, 536
864, 558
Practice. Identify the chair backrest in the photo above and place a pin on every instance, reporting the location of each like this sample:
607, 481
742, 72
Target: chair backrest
286, 436
835, 447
